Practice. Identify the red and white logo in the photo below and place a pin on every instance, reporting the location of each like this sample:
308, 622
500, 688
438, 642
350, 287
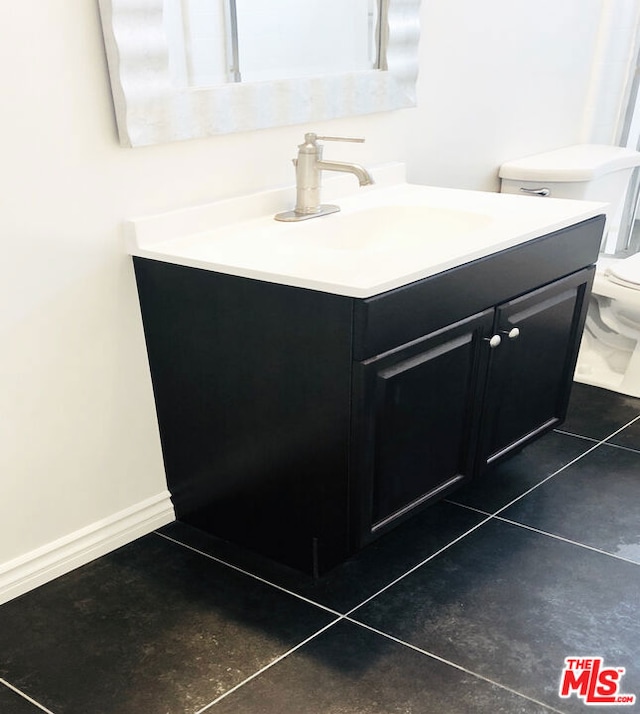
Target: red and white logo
590, 680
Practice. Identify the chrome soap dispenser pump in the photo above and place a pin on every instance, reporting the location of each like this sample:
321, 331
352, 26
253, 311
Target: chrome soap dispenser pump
309, 166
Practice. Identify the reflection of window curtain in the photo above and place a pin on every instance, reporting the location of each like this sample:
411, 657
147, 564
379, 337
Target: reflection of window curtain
233, 51
202, 42
629, 234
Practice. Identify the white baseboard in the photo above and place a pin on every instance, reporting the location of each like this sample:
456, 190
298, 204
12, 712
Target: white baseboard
39, 566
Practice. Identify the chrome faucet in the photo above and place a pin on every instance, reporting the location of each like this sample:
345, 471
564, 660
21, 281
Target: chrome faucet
309, 166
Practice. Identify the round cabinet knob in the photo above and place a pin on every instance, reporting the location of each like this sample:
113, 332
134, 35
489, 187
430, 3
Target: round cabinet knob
512, 334
493, 341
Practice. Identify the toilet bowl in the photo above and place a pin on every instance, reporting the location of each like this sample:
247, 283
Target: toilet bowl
610, 351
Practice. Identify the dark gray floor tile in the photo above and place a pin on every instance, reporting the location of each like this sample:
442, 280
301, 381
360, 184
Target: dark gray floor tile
629, 437
516, 475
350, 670
597, 413
362, 575
13, 703
512, 604
152, 627
594, 501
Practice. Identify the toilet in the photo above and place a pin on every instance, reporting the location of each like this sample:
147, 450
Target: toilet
610, 350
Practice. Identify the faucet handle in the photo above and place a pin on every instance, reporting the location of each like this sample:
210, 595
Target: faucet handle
340, 138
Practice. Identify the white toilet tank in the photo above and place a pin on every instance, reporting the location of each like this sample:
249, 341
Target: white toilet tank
588, 172
610, 352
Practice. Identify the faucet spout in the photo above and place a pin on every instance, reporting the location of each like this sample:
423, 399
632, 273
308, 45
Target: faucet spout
363, 176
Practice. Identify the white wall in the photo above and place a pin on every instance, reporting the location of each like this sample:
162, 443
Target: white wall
78, 440
613, 68
499, 80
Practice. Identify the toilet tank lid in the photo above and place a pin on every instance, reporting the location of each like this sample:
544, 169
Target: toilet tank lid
581, 162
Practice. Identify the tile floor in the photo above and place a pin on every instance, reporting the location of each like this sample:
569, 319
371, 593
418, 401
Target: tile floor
470, 607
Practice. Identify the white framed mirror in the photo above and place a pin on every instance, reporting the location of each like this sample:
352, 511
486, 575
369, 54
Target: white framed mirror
156, 100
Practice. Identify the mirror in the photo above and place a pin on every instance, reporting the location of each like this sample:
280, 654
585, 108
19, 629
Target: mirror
214, 42
160, 94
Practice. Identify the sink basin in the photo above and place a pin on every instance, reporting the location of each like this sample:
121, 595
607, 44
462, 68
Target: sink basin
383, 228
385, 236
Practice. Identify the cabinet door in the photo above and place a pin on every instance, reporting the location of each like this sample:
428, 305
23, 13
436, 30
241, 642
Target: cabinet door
415, 422
531, 371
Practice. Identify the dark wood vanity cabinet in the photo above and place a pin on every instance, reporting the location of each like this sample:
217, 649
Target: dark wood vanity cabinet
302, 425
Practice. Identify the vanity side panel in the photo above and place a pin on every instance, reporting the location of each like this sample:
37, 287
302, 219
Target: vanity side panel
404, 314
252, 387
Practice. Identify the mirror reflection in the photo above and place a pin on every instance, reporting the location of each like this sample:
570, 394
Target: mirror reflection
213, 42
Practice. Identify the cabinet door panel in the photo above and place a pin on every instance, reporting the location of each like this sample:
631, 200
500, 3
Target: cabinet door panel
530, 375
419, 404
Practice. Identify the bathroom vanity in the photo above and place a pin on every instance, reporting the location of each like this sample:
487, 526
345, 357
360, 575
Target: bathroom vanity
302, 423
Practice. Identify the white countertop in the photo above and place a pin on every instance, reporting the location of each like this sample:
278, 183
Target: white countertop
331, 253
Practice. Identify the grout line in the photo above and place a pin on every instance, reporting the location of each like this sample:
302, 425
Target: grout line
577, 436
24, 696
568, 540
588, 451
249, 574
545, 533
606, 441
418, 565
555, 473
268, 666
590, 438
623, 448
459, 667
487, 514
527, 492
562, 468
633, 421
